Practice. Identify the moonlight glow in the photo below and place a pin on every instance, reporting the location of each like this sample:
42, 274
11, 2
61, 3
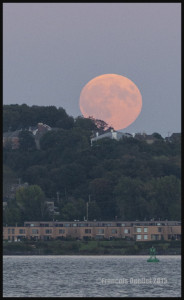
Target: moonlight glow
112, 98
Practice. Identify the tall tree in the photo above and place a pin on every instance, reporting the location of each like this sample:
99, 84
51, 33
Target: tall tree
130, 199
26, 141
31, 201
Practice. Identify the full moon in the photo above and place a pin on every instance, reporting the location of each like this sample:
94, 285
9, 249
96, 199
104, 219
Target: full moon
112, 98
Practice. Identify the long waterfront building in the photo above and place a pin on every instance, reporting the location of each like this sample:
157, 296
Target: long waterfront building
130, 230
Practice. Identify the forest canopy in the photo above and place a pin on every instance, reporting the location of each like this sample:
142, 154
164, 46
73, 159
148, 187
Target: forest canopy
126, 179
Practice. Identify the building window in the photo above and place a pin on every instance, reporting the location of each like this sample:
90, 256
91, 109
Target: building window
46, 237
8, 230
145, 229
48, 231
61, 231
126, 230
87, 230
100, 231
21, 231
34, 231
67, 225
44, 225
58, 225
138, 229
114, 231
155, 237
145, 236
138, 236
159, 229
13, 231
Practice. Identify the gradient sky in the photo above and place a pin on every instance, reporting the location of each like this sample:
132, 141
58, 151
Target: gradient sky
51, 50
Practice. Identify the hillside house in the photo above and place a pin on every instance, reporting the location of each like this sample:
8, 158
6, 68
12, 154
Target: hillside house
11, 138
39, 132
148, 138
51, 207
116, 135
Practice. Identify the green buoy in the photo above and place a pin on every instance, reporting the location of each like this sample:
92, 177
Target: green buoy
153, 255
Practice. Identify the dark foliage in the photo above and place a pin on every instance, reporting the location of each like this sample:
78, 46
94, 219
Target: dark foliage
127, 179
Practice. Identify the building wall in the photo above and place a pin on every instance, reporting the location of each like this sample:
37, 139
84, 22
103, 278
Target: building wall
112, 135
98, 230
14, 233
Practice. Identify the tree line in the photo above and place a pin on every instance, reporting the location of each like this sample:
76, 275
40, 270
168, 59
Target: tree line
127, 179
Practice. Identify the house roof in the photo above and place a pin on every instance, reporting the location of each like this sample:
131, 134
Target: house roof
11, 134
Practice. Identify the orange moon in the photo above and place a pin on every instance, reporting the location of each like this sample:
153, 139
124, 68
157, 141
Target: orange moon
112, 98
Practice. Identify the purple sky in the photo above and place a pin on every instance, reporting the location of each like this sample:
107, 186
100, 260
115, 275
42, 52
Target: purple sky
51, 50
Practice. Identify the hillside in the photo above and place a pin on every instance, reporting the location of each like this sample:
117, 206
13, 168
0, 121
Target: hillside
128, 179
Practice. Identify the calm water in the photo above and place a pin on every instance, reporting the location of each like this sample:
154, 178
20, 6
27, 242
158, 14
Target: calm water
91, 276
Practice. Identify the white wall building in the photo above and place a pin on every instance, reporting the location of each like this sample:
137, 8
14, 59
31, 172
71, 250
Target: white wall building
116, 135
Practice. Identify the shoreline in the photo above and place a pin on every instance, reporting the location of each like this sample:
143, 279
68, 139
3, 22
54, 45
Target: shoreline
92, 247
146, 255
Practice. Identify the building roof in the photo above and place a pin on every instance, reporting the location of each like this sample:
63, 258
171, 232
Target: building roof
111, 134
11, 134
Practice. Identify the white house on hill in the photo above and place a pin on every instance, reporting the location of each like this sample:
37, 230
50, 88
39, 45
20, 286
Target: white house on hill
116, 135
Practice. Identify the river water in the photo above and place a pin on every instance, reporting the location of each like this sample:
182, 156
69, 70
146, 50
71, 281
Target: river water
91, 276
